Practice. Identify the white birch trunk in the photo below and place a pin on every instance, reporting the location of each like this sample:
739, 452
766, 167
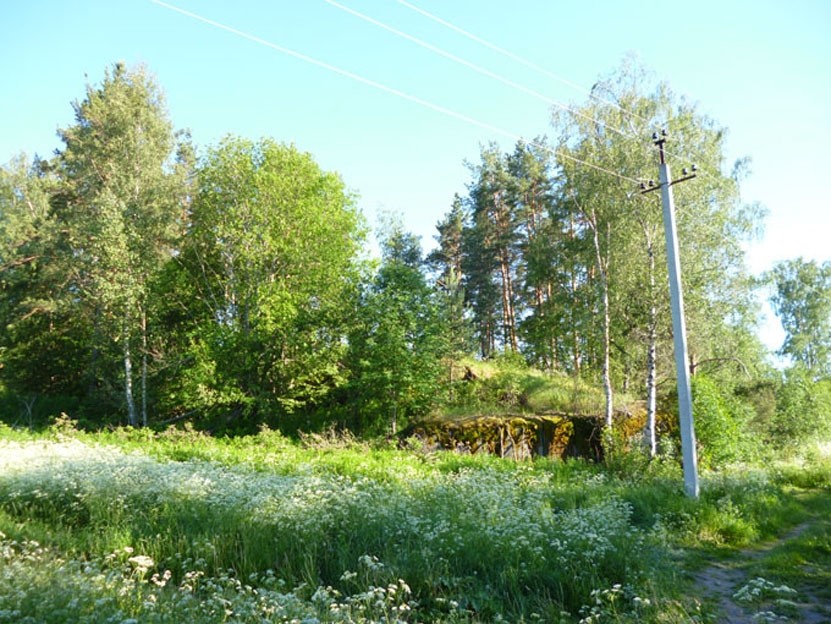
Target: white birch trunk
143, 367
128, 381
651, 358
607, 341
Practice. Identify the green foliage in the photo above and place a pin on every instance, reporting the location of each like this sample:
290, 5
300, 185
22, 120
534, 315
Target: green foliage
100, 220
270, 254
140, 283
812, 470
722, 425
507, 385
803, 409
123, 197
445, 532
133, 281
181, 526
39, 342
396, 345
802, 300
564, 264
804, 561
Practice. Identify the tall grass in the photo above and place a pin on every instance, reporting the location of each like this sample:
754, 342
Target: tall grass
152, 527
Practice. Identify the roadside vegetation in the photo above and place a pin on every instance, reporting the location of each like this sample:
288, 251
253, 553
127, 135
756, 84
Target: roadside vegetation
179, 526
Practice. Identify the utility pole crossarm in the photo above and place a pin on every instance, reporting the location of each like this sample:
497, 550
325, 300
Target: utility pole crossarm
649, 186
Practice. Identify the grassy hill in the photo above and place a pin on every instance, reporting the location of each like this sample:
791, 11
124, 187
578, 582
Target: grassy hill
500, 388
516, 411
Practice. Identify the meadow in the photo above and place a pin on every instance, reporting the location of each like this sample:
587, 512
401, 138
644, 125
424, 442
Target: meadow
133, 526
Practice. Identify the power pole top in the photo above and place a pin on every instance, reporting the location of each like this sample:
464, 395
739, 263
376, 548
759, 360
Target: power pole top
649, 186
659, 140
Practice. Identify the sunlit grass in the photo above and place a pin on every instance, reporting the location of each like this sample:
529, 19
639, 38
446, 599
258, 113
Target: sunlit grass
804, 560
332, 528
500, 387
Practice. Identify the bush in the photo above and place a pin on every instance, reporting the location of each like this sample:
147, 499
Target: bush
803, 409
721, 425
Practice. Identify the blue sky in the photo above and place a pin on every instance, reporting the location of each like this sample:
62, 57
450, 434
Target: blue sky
760, 68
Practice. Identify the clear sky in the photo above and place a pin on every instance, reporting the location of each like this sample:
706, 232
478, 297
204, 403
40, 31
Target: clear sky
761, 68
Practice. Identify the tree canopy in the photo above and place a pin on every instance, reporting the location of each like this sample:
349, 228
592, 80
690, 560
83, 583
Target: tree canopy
143, 281
271, 256
802, 300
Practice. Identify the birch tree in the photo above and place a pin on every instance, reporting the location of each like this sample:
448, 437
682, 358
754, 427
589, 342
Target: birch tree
612, 132
272, 254
119, 214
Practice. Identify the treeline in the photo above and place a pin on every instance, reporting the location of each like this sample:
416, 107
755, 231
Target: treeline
562, 259
143, 282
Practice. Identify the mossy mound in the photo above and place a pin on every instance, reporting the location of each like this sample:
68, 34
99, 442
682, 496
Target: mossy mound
522, 436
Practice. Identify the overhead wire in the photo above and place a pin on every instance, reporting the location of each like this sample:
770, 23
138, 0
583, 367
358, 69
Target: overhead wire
473, 66
382, 87
517, 58
486, 72
536, 67
332, 68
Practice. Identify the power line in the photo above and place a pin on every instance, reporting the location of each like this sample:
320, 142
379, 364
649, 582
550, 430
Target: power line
528, 63
473, 66
380, 86
516, 57
333, 68
500, 78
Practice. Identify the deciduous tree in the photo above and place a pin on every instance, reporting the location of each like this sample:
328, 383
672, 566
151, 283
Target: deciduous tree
120, 213
802, 301
272, 252
397, 346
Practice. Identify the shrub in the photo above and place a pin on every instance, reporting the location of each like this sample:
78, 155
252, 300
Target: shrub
803, 409
721, 425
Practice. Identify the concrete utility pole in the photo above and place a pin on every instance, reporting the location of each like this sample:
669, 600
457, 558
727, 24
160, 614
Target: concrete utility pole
679, 328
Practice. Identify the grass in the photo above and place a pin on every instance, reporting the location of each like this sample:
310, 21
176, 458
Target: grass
783, 578
806, 559
134, 526
803, 561
503, 387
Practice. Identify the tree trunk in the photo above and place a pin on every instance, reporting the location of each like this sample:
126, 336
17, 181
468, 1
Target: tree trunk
575, 333
128, 380
143, 367
607, 321
486, 337
573, 306
508, 315
651, 357
92, 368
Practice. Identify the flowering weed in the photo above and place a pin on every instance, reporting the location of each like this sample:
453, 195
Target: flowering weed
262, 530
